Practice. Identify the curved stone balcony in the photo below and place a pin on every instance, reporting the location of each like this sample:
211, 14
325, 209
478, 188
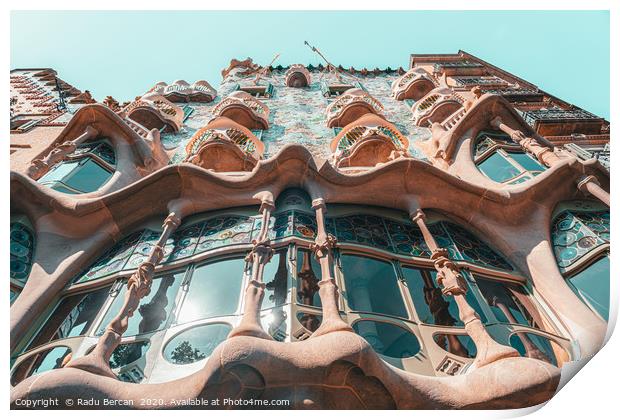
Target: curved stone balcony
368, 141
350, 106
224, 146
297, 76
436, 106
414, 84
181, 91
244, 109
154, 111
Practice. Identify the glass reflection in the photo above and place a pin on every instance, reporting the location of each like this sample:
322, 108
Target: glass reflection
458, 344
308, 277
534, 346
275, 276
371, 286
195, 344
592, 286
507, 301
388, 339
214, 291
430, 304
154, 308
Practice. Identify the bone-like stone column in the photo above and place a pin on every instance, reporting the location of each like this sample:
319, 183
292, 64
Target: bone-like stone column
590, 185
453, 284
328, 290
255, 291
587, 184
138, 286
38, 167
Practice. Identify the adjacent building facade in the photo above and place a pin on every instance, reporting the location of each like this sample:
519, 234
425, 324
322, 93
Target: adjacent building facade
436, 237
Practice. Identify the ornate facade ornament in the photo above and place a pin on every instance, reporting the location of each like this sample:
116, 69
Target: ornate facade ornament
39, 167
112, 103
368, 141
224, 146
297, 76
259, 256
244, 109
322, 248
82, 98
415, 84
453, 285
138, 286
181, 91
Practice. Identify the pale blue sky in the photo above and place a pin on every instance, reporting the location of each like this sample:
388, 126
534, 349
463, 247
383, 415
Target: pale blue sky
124, 53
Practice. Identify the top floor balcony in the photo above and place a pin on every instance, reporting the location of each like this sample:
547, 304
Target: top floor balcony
181, 91
368, 141
413, 85
350, 106
224, 146
563, 122
244, 109
436, 106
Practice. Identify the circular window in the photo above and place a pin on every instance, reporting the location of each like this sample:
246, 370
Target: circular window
195, 344
388, 339
458, 344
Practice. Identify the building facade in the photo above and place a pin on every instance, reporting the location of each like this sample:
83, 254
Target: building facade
309, 236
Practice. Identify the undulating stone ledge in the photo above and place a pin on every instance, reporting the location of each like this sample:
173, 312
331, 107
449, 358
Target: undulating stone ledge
316, 373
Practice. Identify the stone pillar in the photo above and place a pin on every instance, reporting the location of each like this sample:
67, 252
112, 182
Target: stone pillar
138, 286
38, 167
588, 185
328, 290
453, 284
255, 291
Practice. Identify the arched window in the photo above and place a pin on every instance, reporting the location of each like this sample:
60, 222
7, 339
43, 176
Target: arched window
83, 171
503, 160
580, 233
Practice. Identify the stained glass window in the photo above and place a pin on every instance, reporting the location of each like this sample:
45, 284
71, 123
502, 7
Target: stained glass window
22, 251
577, 233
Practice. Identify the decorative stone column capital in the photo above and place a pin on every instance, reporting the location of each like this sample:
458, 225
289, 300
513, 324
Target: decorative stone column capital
583, 181
319, 203
171, 221
91, 132
417, 215
141, 279
267, 204
323, 244
496, 122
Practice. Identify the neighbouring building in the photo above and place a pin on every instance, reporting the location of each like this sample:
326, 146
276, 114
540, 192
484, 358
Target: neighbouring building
436, 237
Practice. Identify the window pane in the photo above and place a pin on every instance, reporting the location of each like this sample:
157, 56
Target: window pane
58, 172
214, 290
430, 304
195, 343
533, 346
275, 277
503, 302
52, 359
154, 308
372, 286
459, 344
388, 339
89, 177
82, 316
592, 286
498, 168
527, 161
308, 277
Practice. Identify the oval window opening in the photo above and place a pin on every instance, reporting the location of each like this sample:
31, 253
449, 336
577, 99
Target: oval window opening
49, 359
388, 339
195, 344
457, 344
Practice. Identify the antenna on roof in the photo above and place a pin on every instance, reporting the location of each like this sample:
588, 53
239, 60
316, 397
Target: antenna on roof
330, 67
263, 71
